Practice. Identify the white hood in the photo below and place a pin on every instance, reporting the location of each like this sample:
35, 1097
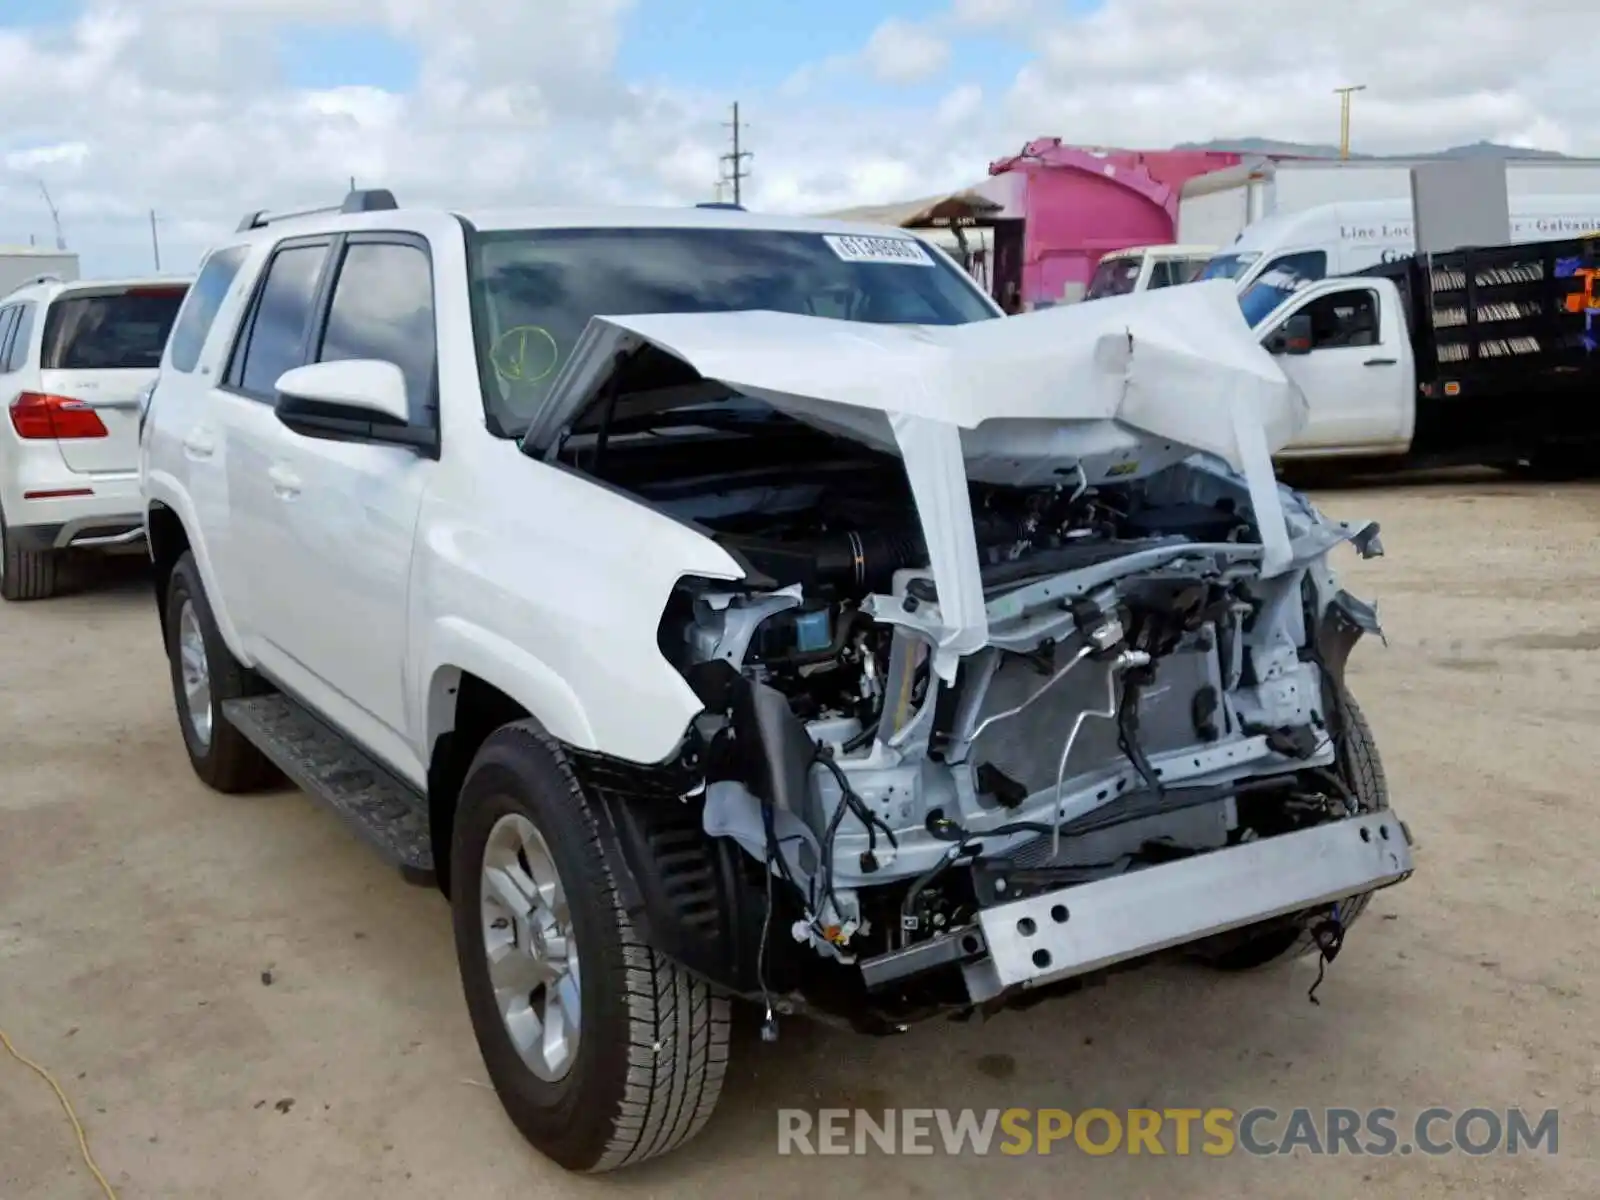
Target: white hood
1008, 400
1174, 363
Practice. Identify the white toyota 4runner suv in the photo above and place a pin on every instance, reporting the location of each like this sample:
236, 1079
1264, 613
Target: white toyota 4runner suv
722, 606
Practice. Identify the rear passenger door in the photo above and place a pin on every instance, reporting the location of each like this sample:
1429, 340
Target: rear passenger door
274, 336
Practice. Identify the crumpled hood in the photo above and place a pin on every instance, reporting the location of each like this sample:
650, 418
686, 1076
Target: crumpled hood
1176, 364
1116, 387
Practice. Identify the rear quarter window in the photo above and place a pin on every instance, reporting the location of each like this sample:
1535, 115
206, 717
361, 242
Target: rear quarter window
120, 331
21, 340
200, 309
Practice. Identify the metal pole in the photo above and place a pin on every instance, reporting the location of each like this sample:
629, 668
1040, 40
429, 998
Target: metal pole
155, 240
737, 174
1344, 116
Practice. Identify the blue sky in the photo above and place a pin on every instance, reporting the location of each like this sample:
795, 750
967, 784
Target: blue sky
707, 44
710, 44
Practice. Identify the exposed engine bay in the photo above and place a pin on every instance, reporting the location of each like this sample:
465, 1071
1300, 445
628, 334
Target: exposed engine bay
1146, 695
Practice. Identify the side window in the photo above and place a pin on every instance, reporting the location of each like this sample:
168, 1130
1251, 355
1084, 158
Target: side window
1161, 275
1344, 319
21, 339
275, 341
8, 322
200, 306
1307, 266
383, 308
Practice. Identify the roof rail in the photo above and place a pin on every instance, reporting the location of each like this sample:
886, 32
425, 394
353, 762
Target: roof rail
722, 204
362, 200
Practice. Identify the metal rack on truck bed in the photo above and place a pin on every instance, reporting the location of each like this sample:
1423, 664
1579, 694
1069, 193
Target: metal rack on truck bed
1504, 340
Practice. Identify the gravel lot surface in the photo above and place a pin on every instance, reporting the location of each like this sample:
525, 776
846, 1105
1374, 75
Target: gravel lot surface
141, 917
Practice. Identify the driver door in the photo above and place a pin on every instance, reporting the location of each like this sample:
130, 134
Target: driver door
1355, 368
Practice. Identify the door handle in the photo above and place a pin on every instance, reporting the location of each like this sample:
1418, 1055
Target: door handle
285, 483
1380, 362
199, 444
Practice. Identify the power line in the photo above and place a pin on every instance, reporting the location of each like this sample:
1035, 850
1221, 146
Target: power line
735, 173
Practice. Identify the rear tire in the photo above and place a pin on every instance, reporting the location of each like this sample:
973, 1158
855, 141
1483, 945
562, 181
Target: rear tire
25, 574
651, 1041
204, 674
1362, 770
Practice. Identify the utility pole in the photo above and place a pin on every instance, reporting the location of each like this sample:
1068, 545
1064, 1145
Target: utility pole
155, 241
1344, 115
736, 172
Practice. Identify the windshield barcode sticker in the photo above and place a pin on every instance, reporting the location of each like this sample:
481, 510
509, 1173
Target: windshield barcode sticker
857, 248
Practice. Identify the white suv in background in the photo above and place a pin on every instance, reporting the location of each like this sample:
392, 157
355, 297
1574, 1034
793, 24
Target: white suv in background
74, 359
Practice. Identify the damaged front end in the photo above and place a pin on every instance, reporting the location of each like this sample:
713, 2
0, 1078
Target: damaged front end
1146, 700
964, 740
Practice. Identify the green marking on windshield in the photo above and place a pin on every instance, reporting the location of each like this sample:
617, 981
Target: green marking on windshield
524, 354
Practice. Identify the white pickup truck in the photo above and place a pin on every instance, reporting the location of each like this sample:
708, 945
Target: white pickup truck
1141, 268
1485, 355
813, 638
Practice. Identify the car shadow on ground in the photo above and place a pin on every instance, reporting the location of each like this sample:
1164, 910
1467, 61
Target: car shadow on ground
85, 574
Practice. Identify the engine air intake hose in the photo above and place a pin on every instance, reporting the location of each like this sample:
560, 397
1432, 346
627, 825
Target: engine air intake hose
853, 560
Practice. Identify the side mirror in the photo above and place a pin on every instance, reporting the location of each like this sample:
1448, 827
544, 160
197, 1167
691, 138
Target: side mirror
368, 386
1292, 337
353, 400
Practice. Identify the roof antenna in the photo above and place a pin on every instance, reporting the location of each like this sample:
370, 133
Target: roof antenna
55, 217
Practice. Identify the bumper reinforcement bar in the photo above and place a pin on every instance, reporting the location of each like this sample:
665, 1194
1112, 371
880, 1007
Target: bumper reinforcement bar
1076, 930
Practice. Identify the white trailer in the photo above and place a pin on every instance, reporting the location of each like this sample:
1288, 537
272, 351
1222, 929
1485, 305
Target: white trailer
20, 265
1217, 207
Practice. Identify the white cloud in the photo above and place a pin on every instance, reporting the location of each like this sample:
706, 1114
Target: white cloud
980, 14
176, 105
903, 52
56, 154
1438, 72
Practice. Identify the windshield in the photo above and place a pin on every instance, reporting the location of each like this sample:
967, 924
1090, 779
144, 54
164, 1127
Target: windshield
1282, 278
110, 332
534, 291
1228, 266
1113, 277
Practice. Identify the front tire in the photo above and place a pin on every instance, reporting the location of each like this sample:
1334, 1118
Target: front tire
25, 574
1362, 770
602, 1052
205, 674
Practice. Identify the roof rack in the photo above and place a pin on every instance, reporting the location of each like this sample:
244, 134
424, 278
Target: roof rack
722, 204
362, 200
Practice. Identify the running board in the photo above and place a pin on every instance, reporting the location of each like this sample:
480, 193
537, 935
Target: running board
383, 809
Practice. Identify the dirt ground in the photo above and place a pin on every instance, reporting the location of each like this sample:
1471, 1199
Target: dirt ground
141, 917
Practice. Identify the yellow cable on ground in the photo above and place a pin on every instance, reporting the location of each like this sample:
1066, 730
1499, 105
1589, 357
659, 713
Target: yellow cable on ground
66, 1105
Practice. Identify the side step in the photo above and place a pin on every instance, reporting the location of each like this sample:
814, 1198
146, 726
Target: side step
386, 811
